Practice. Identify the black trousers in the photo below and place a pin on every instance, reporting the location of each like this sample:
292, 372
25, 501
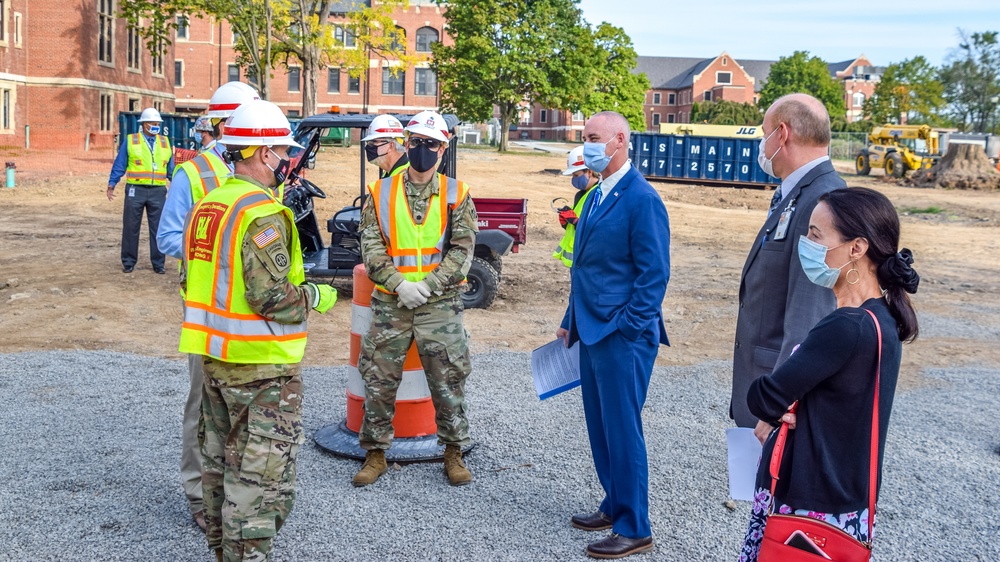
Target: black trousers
137, 199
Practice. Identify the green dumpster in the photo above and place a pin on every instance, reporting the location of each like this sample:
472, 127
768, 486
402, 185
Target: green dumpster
336, 136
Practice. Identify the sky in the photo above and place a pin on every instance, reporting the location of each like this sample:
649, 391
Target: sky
767, 30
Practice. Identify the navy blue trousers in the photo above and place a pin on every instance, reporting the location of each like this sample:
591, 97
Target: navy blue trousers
614, 378
140, 198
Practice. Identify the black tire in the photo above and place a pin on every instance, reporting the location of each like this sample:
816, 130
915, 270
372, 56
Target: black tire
862, 164
483, 283
894, 166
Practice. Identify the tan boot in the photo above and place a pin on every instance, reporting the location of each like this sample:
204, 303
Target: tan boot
458, 475
374, 467
218, 554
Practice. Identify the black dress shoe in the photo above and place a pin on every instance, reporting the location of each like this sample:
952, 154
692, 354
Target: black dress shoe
159, 270
127, 268
596, 521
617, 546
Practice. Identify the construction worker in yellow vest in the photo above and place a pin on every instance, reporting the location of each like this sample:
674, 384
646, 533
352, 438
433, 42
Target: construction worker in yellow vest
191, 181
418, 238
245, 309
384, 146
146, 160
584, 180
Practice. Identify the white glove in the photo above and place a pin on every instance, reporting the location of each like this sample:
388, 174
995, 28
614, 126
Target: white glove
412, 294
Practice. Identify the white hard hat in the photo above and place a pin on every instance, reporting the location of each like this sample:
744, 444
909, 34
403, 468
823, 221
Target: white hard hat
384, 127
228, 97
429, 124
258, 123
150, 114
574, 162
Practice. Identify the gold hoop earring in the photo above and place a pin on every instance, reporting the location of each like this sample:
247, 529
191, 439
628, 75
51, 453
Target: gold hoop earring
855, 271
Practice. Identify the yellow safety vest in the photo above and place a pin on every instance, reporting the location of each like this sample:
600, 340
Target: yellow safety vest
564, 251
205, 172
218, 321
145, 167
415, 249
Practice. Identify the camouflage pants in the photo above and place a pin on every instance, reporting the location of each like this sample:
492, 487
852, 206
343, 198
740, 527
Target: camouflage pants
443, 346
251, 436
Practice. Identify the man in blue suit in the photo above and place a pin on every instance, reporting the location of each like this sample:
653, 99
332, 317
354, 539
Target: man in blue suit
619, 276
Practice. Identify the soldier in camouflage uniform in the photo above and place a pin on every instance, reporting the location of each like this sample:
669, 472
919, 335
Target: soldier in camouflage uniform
417, 246
246, 305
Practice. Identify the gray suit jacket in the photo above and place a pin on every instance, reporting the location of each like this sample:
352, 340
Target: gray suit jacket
778, 303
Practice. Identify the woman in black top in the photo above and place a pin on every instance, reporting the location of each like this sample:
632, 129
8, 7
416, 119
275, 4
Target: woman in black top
852, 248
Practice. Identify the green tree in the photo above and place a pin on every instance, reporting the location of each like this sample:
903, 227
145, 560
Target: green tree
510, 52
802, 73
726, 112
972, 82
615, 85
907, 91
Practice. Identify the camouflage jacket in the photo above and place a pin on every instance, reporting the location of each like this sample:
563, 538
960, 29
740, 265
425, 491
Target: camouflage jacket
446, 278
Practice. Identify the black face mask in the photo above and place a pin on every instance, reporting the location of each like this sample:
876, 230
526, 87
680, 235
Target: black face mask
371, 151
281, 170
422, 158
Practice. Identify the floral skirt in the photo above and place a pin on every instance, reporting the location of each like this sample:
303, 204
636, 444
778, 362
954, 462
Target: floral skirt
854, 523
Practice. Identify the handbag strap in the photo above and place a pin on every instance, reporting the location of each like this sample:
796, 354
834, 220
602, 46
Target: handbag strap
782, 438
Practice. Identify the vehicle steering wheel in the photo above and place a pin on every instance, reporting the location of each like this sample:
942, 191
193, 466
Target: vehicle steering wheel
312, 188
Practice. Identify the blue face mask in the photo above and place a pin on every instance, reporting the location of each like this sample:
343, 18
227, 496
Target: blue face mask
197, 137
594, 155
154, 129
580, 182
812, 256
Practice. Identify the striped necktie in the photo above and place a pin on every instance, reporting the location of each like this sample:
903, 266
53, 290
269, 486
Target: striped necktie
775, 201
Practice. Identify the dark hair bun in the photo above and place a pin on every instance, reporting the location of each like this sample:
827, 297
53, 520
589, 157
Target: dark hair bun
897, 271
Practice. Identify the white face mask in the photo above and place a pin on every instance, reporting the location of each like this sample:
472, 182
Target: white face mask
767, 164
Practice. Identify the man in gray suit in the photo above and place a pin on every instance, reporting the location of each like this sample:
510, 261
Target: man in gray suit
778, 304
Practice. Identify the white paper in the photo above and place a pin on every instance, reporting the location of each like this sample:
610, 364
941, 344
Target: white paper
555, 368
744, 454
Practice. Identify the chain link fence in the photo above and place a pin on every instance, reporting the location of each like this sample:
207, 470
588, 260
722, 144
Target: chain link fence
845, 146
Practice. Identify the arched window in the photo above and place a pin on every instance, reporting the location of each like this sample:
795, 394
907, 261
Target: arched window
426, 36
399, 41
859, 99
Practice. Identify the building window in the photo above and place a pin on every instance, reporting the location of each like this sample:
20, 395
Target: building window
294, 76
134, 48
233, 74
670, 118
105, 30
859, 99
656, 98
294, 113
133, 104
392, 85
158, 106
343, 37
3, 22
182, 27
656, 119
157, 65
105, 112
543, 116
671, 99
333, 80
725, 61
7, 109
178, 73
723, 77
708, 95
399, 40
426, 84
251, 78
17, 29
425, 37
577, 116
353, 84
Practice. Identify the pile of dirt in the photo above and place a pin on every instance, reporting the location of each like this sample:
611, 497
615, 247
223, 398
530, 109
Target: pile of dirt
965, 166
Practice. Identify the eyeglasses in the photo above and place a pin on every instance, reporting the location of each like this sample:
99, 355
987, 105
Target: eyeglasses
415, 142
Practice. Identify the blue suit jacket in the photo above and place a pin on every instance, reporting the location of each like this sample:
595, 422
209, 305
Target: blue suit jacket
621, 264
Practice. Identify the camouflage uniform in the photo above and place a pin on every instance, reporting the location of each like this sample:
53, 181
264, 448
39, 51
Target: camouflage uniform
442, 342
253, 415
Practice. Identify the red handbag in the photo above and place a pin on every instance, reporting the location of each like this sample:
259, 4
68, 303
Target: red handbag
830, 542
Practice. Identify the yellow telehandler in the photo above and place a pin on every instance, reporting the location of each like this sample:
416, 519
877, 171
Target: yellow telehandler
898, 149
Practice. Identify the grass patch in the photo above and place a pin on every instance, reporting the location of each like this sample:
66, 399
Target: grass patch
924, 211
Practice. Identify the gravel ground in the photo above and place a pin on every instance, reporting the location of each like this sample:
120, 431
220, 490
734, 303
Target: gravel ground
91, 448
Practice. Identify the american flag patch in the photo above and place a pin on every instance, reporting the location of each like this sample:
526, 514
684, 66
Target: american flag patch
265, 237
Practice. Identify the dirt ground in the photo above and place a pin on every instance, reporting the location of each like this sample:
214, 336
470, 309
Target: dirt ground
62, 285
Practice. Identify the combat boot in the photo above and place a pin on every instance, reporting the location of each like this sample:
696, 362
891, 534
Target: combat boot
454, 468
374, 467
218, 554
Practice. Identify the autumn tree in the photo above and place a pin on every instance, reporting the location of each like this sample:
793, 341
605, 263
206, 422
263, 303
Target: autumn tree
972, 82
614, 84
725, 112
802, 73
909, 92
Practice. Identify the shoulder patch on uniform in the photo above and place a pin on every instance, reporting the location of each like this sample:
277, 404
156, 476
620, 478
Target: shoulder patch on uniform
266, 236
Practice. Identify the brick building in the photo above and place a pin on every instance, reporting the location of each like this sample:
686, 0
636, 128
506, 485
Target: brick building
204, 58
68, 67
